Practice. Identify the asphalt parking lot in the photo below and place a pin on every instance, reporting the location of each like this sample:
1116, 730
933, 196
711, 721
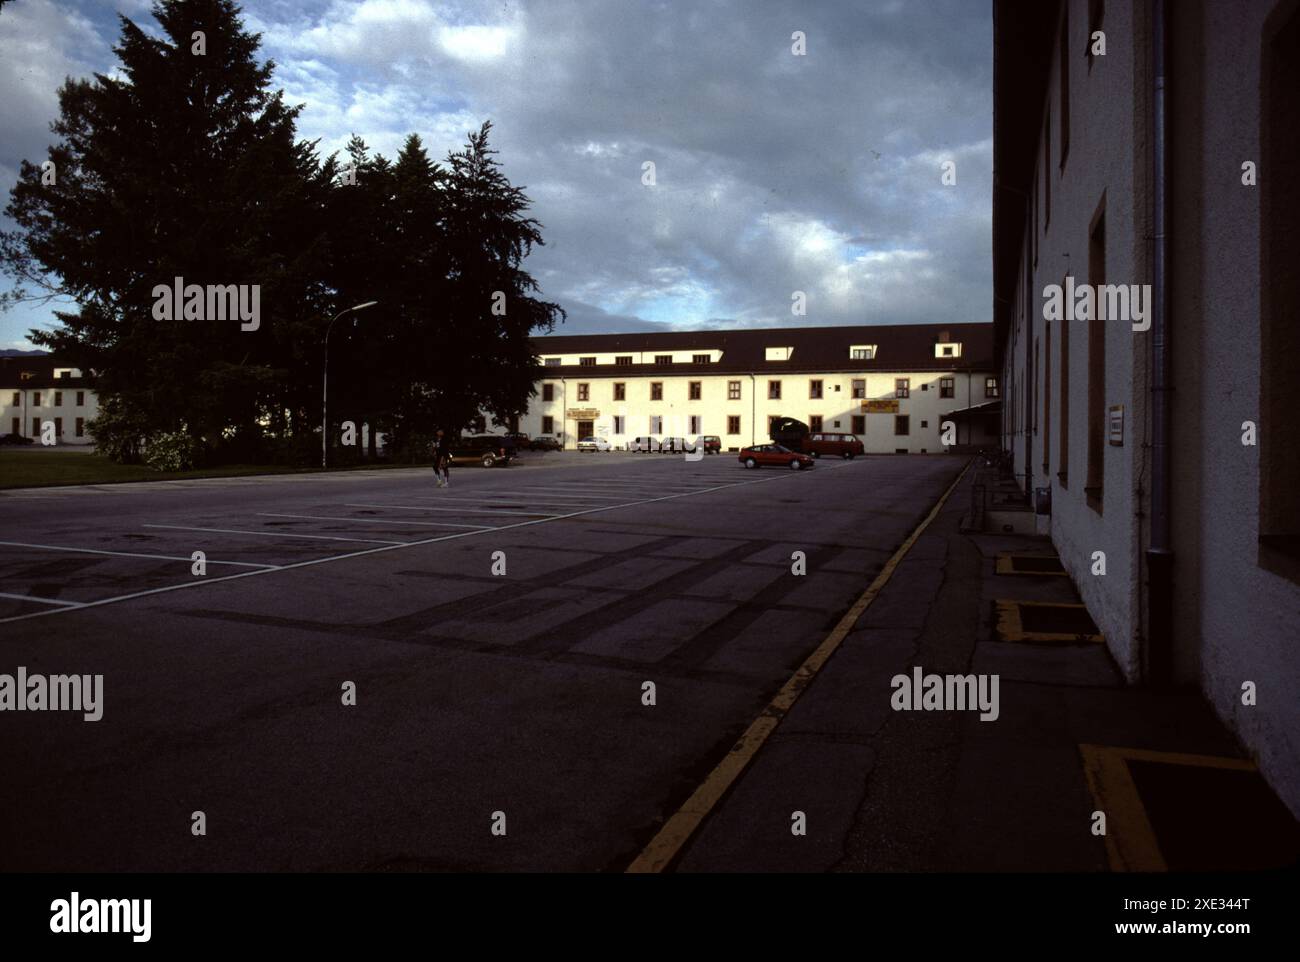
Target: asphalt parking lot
477, 691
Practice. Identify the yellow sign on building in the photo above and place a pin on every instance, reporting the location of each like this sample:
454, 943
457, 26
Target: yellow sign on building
583, 414
889, 406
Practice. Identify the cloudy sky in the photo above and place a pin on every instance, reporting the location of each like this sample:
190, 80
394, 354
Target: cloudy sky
774, 172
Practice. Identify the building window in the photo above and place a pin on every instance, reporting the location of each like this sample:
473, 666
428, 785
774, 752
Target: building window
618, 424
774, 390
58, 427
584, 392
902, 387
866, 353
548, 424
81, 399
656, 390
548, 392
1065, 83
859, 389
947, 387
1047, 166
587, 361
1279, 388
694, 424
859, 424
663, 359
36, 399
700, 358
81, 427
815, 423
902, 425
733, 390
552, 362
1063, 435
36, 427
1096, 476
990, 387
620, 391
58, 399
18, 401
656, 424
694, 389
623, 360
733, 423
17, 426
815, 390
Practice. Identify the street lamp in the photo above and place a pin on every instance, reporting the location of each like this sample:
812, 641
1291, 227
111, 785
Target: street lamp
325, 381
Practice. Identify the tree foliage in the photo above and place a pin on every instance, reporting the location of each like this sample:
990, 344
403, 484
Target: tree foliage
186, 164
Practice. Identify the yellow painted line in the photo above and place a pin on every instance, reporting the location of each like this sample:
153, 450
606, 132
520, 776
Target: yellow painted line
1011, 628
679, 829
1131, 844
1006, 565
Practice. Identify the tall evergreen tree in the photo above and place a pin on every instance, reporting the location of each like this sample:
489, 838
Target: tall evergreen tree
186, 166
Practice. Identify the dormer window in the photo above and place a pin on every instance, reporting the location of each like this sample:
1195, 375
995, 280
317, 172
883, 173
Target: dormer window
623, 360
947, 349
862, 352
663, 359
778, 353
552, 362
699, 359
587, 361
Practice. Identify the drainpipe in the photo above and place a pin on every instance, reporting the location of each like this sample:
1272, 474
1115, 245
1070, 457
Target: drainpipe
1031, 303
1160, 555
564, 414
753, 410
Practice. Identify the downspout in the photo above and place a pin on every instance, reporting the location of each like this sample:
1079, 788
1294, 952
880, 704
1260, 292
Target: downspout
1030, 374
1160, 555
753, 410
564, 413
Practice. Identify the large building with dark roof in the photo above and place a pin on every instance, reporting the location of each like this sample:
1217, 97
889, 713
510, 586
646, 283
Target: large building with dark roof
893, 386
36, 389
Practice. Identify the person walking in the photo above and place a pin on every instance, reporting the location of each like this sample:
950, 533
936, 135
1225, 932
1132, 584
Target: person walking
442, 459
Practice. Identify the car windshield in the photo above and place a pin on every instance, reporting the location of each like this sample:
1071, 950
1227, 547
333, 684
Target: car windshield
777, 447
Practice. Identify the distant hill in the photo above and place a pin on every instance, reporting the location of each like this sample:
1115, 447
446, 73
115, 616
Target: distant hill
14, 352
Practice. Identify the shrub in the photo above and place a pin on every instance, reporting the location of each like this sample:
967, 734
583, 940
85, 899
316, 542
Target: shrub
172, 451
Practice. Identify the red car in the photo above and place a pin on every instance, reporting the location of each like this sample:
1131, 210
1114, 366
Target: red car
761, 454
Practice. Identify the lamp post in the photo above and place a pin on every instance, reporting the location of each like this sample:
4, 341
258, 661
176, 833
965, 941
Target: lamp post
325, 382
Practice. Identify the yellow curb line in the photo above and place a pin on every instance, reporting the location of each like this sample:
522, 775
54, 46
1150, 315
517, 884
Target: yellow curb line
677, 831
1131, 844
1011, 629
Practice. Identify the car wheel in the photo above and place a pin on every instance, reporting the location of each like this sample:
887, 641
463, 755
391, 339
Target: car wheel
750, 463
846, 456
488, 460
796, 465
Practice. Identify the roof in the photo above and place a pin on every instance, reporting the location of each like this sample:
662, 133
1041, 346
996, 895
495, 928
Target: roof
900, 347
40, 367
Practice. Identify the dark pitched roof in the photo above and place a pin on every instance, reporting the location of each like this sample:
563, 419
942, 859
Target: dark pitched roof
40, 368
900, 347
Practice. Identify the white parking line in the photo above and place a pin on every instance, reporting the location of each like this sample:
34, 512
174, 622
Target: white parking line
424, 524
519, 496
181, 586
274, 534
128, 554
43, 601
412, 507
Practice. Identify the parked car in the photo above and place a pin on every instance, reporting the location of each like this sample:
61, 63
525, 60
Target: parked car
644, 445
485, 449
545, 442
14, 439
593, 444
673, 446
774, 454
521, 440
847, 446
711, 442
